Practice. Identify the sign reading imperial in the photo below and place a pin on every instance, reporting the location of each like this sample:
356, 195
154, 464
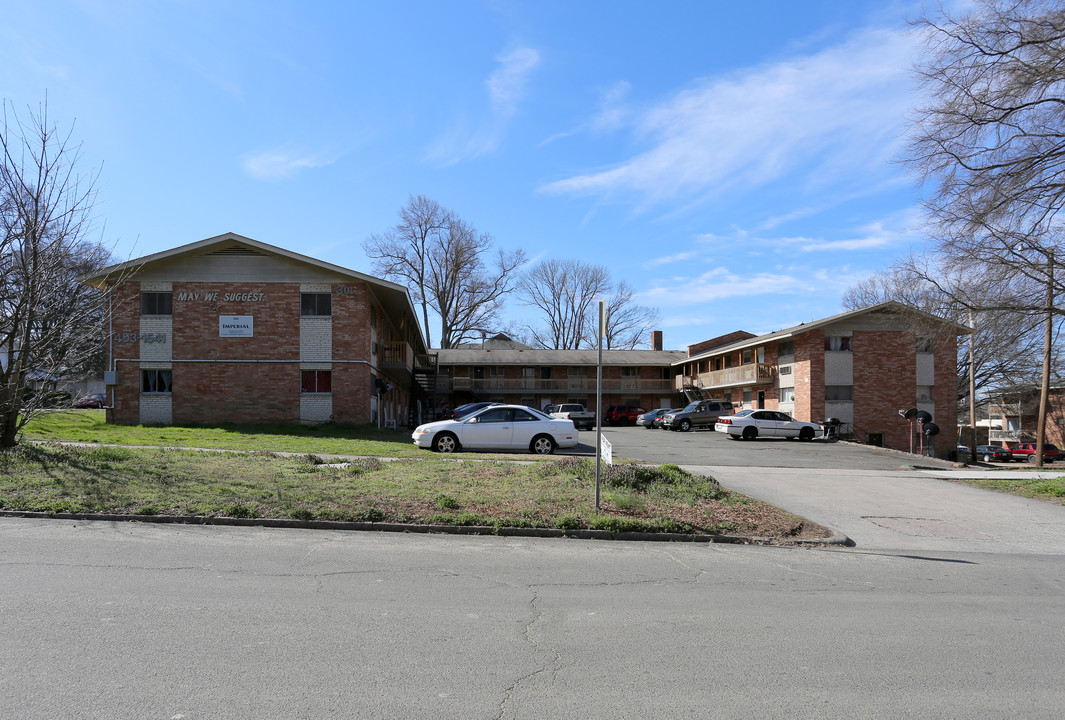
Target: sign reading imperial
235, 326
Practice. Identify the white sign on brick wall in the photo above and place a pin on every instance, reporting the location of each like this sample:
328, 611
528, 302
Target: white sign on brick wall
235, 326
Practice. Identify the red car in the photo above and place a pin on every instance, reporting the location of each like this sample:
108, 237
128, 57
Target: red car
1026, 452
622, 414
91, 401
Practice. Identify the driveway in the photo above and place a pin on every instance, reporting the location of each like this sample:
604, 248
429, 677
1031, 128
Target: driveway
873, 496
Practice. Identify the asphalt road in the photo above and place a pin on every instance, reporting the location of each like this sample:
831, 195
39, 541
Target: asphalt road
104, 620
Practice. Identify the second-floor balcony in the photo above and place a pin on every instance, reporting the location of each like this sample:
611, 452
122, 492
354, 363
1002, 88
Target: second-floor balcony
1004, 435
562, 385
397, 354
750, 374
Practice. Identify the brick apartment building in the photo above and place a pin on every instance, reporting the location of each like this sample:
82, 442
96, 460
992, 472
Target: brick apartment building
229, 329
504, 370
860, 367
1013, 416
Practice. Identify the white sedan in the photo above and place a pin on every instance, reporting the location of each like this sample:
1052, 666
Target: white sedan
499, 427
749, 424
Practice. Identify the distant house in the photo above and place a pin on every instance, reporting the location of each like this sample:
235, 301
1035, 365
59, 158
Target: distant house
1013, 415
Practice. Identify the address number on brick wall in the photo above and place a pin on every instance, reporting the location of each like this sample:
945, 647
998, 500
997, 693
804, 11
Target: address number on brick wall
139, 337
344, 290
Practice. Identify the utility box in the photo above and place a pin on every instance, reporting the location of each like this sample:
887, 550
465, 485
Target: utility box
110, 377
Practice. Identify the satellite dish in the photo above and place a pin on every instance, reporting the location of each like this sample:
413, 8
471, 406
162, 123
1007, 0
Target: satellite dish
908, 414
930, 429
923, 416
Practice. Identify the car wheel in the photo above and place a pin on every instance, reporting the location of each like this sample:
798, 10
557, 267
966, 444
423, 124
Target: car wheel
685, 426
542, 445
445, 443
750, 432
649, 427
806, 434
986, 458
1031, 458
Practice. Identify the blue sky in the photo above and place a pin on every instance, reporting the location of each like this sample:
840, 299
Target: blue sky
735, 163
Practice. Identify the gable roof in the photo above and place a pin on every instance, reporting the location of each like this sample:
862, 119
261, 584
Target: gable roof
889, 307
394, 297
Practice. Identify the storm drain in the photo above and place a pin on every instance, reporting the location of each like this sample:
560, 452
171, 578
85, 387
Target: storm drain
926, 527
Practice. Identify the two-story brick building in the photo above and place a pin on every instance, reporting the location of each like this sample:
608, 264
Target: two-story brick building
229, 329
860, 367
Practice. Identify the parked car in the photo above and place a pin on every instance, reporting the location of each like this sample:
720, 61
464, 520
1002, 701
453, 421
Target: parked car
91, 401
464, 410
622, 415
993, 453
498, 427
962, 453
576, 413
1026, 452
701, 413
649, 418
749, 424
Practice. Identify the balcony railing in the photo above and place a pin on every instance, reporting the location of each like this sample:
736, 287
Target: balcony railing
535, 385
397, 353
999, 435
750, 374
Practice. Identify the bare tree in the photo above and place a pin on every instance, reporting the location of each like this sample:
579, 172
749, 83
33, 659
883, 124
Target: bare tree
51, 325
441, 258
566, 292
467, 294
989, 144
403, 251
627, 324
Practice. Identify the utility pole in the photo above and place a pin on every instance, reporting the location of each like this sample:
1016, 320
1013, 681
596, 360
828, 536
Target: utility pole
972, 391
1044, 393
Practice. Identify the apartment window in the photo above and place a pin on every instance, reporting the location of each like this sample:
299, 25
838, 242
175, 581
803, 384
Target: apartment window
630, 372
528, 372
728, 361
728, 396
924, 393
839, 393
925, 345
316, 304
316, 381
746, 358
837, 343
577, 372
746, 397
157, 381
787, 395
373, 316
157, 303
786, 348
495, 371
545, 373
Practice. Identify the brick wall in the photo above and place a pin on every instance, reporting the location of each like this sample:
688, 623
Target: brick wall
125, 320
352, 386
809, 372
212, 393
885, 381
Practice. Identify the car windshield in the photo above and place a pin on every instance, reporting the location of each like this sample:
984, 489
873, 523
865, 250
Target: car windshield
691, 408
743, 413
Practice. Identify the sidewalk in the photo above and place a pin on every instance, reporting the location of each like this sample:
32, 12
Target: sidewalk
906, 510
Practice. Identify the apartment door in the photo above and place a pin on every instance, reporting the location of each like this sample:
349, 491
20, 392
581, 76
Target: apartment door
761, 399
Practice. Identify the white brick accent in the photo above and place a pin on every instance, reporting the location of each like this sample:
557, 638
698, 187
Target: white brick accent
314, 408
926, 370
316, 339
842, 410
156, 325
156, 409
839, 369
316, 287
156, 286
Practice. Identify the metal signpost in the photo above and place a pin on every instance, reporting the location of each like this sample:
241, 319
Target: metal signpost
599, 439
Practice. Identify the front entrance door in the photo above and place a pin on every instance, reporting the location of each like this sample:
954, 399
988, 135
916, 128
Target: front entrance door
761, 399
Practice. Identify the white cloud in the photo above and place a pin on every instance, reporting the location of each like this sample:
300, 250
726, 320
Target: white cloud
280, 164
506, 86
723, 284
506, 90
668, 259
829, 116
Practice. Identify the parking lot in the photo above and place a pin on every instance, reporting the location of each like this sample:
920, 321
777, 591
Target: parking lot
707, 447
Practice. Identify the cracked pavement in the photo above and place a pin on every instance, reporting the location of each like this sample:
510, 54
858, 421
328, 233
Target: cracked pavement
123, 620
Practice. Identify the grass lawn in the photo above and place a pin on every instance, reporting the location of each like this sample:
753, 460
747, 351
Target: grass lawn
556, 493
89, 426
1050, 488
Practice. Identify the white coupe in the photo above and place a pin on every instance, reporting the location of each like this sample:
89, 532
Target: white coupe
749, 424
498, 427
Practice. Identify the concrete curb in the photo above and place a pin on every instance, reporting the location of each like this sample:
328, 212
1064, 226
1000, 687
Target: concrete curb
837, 538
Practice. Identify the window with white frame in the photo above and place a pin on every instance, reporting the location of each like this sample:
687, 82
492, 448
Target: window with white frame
157, 381
925, 393
787, 395
837, 343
